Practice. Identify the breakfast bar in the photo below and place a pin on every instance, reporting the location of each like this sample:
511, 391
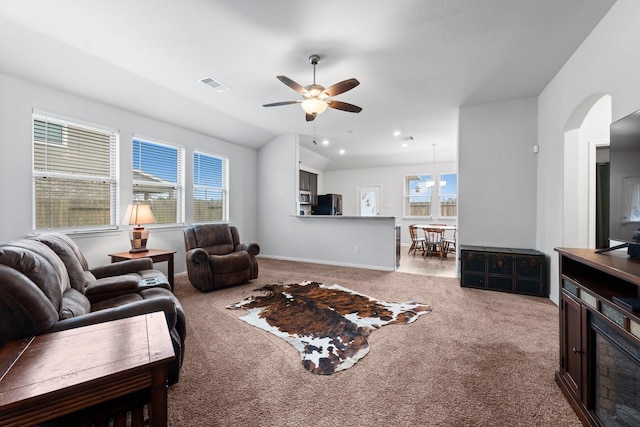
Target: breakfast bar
352, 241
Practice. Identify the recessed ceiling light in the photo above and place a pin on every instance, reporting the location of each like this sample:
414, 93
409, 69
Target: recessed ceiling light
325, 142
342, 151
217, 85
396, 133
404, 145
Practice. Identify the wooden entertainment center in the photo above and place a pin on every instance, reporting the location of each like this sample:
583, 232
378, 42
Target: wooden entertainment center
599, 370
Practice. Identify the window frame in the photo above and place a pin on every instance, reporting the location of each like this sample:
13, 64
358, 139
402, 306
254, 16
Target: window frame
224, 189
406, 193
440, 201
178, 186
40, 175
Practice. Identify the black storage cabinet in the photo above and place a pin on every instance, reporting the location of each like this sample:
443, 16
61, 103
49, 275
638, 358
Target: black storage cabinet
520, 271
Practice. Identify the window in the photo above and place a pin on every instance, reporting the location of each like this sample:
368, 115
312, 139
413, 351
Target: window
417, 195
158, 179
74, 175
424, 196
210, 193
448, 195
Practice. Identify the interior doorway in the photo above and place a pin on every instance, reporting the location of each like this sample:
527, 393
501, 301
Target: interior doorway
586, 141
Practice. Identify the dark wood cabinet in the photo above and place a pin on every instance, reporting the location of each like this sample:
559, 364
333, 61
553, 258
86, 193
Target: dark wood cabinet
599, 370
309, 182
503, 269
572, 344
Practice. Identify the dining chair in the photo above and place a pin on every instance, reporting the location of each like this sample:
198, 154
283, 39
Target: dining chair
434, 242
417, 242
450, 240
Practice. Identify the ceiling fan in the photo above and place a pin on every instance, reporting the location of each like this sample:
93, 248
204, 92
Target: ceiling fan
316, 97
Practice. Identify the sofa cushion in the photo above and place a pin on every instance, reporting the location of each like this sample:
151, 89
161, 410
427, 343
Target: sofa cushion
70, 255
216, 239
74, 304
231, 263
40, 264
24, 309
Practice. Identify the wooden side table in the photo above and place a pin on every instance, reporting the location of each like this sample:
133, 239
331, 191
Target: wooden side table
48, 376
156, 255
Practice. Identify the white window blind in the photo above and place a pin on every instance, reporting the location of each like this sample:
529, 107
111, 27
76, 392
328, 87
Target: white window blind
157, 179
210, 188
74, 175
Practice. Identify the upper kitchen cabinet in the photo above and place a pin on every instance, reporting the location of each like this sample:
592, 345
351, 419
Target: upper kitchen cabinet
309, 182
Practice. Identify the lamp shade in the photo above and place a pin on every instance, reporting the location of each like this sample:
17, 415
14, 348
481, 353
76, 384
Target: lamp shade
138, 214
314, 106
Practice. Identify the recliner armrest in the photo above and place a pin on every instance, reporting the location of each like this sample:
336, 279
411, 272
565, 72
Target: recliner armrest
252, 248
198, 256
122, 267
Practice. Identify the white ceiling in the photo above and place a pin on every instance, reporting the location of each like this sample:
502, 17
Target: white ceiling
417, 61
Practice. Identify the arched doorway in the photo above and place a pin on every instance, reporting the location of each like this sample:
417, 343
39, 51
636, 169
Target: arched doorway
586, 135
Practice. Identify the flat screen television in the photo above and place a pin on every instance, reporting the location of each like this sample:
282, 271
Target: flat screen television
624, 180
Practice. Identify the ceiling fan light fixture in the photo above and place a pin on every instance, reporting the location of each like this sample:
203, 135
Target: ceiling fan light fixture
316, 91
316, 98
314, 106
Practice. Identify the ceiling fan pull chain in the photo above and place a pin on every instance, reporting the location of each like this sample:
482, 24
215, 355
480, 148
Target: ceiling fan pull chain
315, 136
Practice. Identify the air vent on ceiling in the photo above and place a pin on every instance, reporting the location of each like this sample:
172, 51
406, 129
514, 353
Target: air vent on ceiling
408, 138
215, 84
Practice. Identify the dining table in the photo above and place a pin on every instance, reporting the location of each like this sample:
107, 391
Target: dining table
444, 228
437, 227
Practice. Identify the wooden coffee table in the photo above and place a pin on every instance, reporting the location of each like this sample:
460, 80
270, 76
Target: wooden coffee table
156, 255
48, 376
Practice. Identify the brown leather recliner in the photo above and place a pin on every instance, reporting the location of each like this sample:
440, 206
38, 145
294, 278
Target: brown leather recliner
46, 289
216, 258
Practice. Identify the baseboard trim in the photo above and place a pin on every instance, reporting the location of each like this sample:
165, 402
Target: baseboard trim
325, 262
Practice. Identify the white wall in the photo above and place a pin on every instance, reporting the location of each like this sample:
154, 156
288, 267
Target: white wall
391, 181
579, 175
368, 243
607, 62
497, 174
19, 98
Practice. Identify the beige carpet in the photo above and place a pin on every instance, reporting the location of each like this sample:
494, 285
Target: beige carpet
481, 358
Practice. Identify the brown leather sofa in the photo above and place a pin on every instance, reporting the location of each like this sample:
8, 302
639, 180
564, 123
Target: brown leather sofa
46, 286
216, 258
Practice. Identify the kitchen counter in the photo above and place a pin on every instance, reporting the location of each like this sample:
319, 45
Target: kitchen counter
347, 240
344, 217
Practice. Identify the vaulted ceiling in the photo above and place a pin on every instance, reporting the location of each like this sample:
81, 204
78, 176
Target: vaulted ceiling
418, 62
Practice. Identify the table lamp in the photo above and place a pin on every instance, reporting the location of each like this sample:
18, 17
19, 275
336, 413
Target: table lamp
137, 215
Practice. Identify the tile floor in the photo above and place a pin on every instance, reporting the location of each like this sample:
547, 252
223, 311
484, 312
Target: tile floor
429, 266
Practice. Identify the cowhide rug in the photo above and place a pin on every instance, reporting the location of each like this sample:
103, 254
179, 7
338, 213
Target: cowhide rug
329, 325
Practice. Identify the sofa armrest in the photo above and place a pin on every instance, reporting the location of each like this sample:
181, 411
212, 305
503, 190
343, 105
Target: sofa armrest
252, 248
113, 286
122, 267
164, 304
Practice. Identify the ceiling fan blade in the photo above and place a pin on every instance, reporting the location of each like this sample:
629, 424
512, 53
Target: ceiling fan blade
341, 87
277, 104
338, 105
310, 117
293, 85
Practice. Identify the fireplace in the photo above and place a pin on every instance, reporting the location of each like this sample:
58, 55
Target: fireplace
616, 375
